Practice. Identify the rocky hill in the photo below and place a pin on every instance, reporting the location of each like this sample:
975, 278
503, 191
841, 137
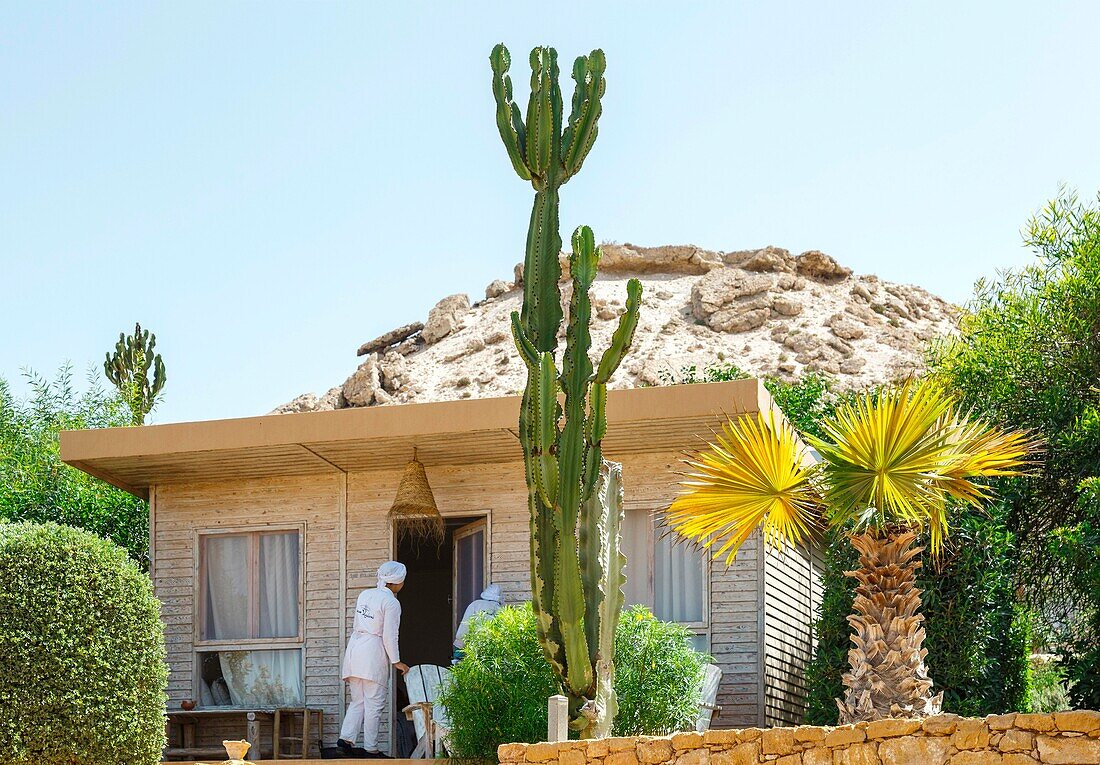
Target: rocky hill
767, 311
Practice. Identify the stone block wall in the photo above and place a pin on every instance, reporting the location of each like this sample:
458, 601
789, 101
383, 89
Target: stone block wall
1062, 738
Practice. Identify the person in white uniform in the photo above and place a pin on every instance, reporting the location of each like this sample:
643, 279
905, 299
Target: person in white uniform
372, 651
489, 603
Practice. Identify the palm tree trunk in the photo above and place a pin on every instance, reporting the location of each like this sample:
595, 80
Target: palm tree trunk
887, 675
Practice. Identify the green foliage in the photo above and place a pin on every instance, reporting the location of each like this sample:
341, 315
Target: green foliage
658, 676
82, 647
499, 691
35, 485
824, 674
1048, 688
128, 370
575, 498
978, 638
983, 668
1028, 355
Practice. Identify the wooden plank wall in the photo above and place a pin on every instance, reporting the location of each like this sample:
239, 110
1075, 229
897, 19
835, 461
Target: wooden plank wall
651, 483
735, 595
789, 585
184, 510
497, 489
735, 635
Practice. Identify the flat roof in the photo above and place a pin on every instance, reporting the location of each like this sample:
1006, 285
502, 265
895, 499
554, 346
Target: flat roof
459, 432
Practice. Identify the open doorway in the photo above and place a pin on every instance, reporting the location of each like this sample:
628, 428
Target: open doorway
442, 580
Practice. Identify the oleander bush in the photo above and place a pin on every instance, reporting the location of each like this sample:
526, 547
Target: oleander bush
499, 690
82, 670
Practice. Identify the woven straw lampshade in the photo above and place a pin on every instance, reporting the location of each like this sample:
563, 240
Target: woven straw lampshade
414, 512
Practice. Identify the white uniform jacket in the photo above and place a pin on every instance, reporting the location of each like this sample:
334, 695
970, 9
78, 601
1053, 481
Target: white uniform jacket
479, 606
372, 648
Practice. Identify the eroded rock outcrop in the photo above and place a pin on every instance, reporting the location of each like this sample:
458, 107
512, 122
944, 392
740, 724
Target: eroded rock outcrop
445, 317
765, 310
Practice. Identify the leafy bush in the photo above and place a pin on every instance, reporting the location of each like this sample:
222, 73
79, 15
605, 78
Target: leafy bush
1027, 356
81, 650
657, 675
824, 683
498, 692
978, 638
1048, 687
35, 485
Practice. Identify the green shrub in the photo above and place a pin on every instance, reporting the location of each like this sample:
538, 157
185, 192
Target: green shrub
498, 692
35, 485
657, 675
978, 638
830, 661
82, 672
1048, 687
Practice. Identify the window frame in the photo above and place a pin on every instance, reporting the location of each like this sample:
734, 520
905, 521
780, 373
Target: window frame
201, 646
698, 628
250, 643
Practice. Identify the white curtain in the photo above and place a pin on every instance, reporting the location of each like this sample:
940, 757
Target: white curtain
660, 573
677, 580
227, 606
635, 541
261, 677
279, 585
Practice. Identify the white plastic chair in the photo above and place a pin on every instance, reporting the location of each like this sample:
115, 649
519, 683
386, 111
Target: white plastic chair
424, 683
708, 695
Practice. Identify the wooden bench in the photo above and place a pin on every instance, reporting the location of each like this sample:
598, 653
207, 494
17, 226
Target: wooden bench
188, 720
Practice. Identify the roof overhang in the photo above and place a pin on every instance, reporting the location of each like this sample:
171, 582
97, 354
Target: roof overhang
349, 440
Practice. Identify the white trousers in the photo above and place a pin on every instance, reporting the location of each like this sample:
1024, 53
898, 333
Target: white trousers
368, 704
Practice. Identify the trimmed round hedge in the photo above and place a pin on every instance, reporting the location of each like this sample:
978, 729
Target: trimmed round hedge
82, 670
498, 692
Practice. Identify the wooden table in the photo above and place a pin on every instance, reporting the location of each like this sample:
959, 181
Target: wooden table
187, 719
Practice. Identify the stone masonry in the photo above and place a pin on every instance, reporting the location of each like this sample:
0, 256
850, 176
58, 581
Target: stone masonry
1062, 738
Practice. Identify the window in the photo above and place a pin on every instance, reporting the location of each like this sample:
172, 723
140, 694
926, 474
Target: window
250, 627
665, 574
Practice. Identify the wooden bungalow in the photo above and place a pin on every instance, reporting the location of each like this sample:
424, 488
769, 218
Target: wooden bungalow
263, 531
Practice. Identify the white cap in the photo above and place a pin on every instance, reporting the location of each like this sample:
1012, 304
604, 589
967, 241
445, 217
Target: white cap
492, 592
391, 572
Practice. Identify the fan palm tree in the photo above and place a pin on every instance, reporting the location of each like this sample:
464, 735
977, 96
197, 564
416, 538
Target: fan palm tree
892, 464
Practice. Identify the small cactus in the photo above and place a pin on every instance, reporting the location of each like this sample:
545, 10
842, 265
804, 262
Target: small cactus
574, 495
128, 370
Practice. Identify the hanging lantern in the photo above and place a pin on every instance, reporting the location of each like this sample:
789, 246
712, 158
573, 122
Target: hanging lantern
414, 512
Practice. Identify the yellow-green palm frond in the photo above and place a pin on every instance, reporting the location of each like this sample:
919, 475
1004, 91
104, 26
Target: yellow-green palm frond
975, 449
882, 456
755, 474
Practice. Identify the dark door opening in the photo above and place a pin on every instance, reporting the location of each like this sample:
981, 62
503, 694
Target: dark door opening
441, 581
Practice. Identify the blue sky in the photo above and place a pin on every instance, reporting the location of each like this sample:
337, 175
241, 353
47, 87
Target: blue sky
268, 185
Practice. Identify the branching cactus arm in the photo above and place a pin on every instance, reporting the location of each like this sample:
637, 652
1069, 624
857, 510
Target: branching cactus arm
574, 497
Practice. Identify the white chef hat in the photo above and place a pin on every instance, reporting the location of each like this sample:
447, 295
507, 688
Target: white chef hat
391, 572
492, 592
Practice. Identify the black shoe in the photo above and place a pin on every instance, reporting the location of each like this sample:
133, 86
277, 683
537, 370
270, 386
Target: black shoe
376, 756
333, 753
351, 751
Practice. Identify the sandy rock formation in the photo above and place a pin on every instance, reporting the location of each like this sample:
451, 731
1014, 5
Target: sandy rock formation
445, 318
765, 310
393, 337
817, 265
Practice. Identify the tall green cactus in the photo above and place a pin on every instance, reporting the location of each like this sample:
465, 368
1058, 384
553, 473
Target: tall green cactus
128, 370
575, 496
